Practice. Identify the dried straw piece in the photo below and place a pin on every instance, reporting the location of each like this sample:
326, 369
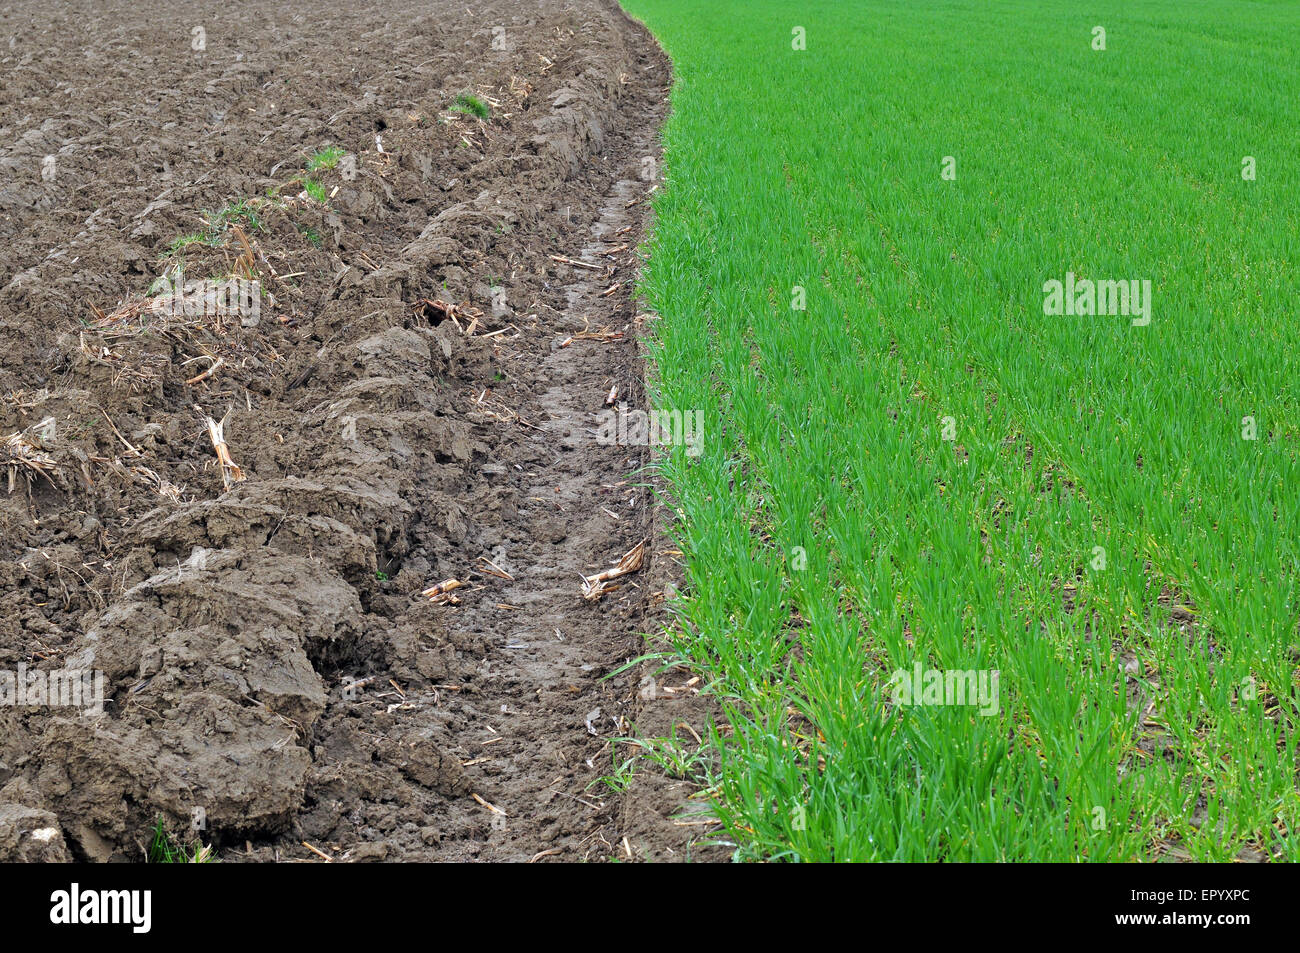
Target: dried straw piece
230, 471
574, 263
208, 373
432, 307
441, 593
492, 569
593, 587
491, 807
21, 454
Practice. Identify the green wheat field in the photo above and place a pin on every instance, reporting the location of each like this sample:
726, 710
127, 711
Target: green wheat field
991, 549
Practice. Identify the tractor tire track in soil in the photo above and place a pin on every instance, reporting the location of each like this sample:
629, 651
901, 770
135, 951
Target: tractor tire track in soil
271, 666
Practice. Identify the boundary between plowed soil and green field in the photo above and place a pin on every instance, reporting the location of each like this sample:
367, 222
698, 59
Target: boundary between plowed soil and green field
909, 466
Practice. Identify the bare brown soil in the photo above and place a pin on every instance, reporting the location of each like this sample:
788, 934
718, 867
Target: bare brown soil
271, 665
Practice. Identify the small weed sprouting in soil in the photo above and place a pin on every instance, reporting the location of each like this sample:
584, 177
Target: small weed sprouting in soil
249, 214
673, 755
185, 241
166, 849
471, 105
621, 777
325, 158
315, 191
171, 274
243, 212
312, 235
